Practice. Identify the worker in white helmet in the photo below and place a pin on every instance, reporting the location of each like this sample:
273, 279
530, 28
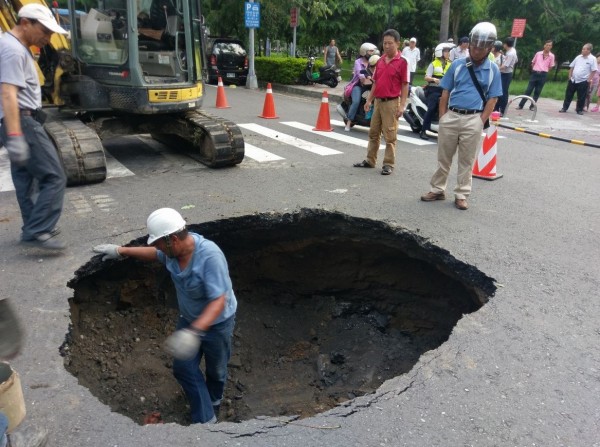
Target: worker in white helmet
206, 301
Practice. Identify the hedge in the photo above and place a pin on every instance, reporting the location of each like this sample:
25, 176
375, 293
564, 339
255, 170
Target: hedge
282, 70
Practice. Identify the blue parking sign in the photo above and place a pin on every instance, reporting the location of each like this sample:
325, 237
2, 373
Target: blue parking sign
252, 14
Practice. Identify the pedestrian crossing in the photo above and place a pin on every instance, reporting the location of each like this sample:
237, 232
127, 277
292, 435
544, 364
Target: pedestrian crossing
266, 143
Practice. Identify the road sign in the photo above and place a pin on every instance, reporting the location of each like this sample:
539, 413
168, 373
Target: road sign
518, 28
294, 17
252, 14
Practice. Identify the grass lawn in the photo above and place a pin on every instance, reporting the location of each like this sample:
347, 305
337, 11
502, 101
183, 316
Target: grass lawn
552, 89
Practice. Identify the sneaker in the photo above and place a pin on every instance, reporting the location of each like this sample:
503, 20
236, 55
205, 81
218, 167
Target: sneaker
580, 112
29, 436
433, 196
562, 111
595, 109
387, 170
46, 241
348, 126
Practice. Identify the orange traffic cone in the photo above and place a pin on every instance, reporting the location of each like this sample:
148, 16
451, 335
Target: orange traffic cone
221, 99
269, 106
485, 163
323, 120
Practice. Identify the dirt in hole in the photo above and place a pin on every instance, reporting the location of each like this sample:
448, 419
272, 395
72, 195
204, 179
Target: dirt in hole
325, 314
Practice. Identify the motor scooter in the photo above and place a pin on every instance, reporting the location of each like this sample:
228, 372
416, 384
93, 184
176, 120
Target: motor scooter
415, 110
327, 75
361, 116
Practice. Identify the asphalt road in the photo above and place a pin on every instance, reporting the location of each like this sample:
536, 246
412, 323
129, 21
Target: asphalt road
522, 371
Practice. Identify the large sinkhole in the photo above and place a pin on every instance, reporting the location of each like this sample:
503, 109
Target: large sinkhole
330, 307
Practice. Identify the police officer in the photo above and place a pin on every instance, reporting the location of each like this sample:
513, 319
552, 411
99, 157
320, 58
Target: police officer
32, 154
433, 75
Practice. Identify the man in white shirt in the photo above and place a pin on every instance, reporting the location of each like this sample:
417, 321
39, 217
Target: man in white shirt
581, 74
506, 72
461, 51
412, 55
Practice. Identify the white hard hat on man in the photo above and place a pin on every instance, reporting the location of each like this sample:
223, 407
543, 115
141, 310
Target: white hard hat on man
163, 222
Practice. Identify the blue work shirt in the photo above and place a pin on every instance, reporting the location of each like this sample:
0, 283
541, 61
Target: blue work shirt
205, 278
463, 93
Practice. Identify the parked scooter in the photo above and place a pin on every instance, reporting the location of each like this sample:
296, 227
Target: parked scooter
327, 75
416, 108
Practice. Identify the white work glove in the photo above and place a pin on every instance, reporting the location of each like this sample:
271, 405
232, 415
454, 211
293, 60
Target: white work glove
18, 149
110, 251
184, 343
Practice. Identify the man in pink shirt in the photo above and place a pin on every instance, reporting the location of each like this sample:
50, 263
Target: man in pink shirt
390, 90
541, 64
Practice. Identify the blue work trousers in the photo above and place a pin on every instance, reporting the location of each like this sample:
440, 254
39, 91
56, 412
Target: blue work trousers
203, 393
40, 184
3, 428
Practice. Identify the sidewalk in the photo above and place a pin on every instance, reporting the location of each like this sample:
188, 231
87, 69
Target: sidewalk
547, 119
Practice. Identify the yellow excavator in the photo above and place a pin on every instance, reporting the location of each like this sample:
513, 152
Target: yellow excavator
127, 67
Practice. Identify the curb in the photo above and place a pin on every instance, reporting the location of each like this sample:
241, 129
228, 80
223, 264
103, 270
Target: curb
310, 91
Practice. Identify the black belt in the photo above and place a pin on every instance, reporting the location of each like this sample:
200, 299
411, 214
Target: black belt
386, 99
37, 114
540, 72
465, 111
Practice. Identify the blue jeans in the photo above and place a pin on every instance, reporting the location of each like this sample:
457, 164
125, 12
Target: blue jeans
3, 428
40, 214
203, 394
356, 96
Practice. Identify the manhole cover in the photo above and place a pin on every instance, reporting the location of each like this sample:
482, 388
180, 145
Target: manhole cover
330, 307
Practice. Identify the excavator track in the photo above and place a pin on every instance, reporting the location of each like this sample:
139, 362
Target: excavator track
214, 141
79, 148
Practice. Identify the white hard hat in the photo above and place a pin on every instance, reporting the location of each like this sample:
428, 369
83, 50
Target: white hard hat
43, 15
366, 47
163, 222
483, 35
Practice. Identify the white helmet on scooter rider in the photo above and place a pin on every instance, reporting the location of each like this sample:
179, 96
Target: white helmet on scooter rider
444, 46
483, 35
367, 49
373, 60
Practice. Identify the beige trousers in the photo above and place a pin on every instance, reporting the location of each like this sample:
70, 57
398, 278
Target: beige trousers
462, 134
383, 121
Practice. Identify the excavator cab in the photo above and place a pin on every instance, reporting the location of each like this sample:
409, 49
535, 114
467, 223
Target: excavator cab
138, 56
129, 67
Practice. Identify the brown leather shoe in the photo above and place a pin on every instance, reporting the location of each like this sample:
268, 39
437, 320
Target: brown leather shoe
461, 204
433, 196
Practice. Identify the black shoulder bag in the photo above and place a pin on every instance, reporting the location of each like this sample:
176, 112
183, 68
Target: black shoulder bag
479, 89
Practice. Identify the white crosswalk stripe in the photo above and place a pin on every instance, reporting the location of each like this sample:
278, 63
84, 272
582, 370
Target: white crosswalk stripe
260, 155
254, 153
288, 139
411, 140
